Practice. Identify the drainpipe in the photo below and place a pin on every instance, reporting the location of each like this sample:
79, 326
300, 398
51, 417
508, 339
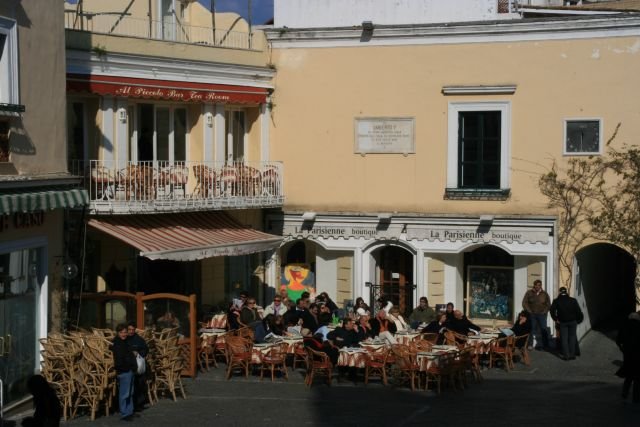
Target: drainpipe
150, 21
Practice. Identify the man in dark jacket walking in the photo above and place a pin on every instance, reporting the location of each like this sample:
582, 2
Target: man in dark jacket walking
566, 312
125, 366
138, 345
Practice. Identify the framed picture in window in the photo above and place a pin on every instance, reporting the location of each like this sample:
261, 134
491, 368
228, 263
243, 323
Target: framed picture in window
490, 293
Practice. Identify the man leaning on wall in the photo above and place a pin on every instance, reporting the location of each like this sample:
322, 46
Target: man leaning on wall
537, 303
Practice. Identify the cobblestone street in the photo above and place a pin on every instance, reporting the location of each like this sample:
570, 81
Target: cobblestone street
550, 392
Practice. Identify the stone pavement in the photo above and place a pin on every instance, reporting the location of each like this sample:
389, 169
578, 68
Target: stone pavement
551, 392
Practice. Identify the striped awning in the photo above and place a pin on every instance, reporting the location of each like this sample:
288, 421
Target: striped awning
186, 236
32, 201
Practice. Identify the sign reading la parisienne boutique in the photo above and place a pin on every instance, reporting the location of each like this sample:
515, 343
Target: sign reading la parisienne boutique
418, 232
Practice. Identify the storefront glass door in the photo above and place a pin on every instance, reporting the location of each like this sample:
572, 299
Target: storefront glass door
396, 273
18, 303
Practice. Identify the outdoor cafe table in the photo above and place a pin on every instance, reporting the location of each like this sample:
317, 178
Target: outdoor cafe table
354, 357
259, 350
481, 342
208, 333
263, 348
405, 337
428, 359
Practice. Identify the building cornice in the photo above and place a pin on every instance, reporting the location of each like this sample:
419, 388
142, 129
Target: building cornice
457, 33
145, 67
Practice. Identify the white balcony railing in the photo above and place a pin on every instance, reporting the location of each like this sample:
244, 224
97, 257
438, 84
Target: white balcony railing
162, 186
123, 25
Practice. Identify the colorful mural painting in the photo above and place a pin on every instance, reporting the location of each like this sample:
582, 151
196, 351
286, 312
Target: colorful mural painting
296, 279
490, 292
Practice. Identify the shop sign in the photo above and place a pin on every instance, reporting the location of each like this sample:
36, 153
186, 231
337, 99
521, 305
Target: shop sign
511, 234
384, 135
179, 91
21, 220
171, 94
336, 231
417, 232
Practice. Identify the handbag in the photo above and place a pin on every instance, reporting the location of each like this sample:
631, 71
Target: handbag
142, 365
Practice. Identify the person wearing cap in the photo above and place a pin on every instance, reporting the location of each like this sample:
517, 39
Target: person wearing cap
566, 312
537, 303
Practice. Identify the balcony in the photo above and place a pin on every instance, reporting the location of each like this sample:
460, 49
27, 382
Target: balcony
122, 25
161, 186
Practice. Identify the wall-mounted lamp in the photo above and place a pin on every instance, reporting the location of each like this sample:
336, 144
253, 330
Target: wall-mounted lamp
208, 119
486, 220
384, 217
308, 216
122, 115
69, 270
33, 270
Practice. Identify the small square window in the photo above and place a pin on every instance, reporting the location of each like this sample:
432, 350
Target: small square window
582, 137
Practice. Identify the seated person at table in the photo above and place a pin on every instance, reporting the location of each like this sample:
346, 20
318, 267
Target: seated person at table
316, 343
324, 297
276, 307
397, 319
461, 324
277, 326
310, 317
384, 304
249, 315
346, 335
361, 304
263, 329
294, 329
365, 327
422, 314
295, 313
324, 319
438, 326
449, 311
522, 326
386, 328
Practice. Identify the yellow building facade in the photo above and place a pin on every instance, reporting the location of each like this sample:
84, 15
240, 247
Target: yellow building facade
413, 155
168, 123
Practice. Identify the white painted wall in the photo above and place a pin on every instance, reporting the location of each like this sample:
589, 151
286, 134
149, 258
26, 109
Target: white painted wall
326, 271
346, 13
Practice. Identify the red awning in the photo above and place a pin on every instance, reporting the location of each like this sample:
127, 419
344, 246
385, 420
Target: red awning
186, 236
180, 91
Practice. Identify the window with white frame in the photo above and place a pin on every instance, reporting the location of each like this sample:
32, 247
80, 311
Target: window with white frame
8, 62
479, 141
582, 136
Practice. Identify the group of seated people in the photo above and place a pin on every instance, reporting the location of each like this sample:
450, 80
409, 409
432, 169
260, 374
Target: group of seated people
311, 320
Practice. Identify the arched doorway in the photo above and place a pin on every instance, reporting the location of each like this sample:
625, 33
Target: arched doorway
604, 281
394, 273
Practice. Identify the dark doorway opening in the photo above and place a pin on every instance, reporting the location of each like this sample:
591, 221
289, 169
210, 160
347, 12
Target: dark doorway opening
178, 277
605, 279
